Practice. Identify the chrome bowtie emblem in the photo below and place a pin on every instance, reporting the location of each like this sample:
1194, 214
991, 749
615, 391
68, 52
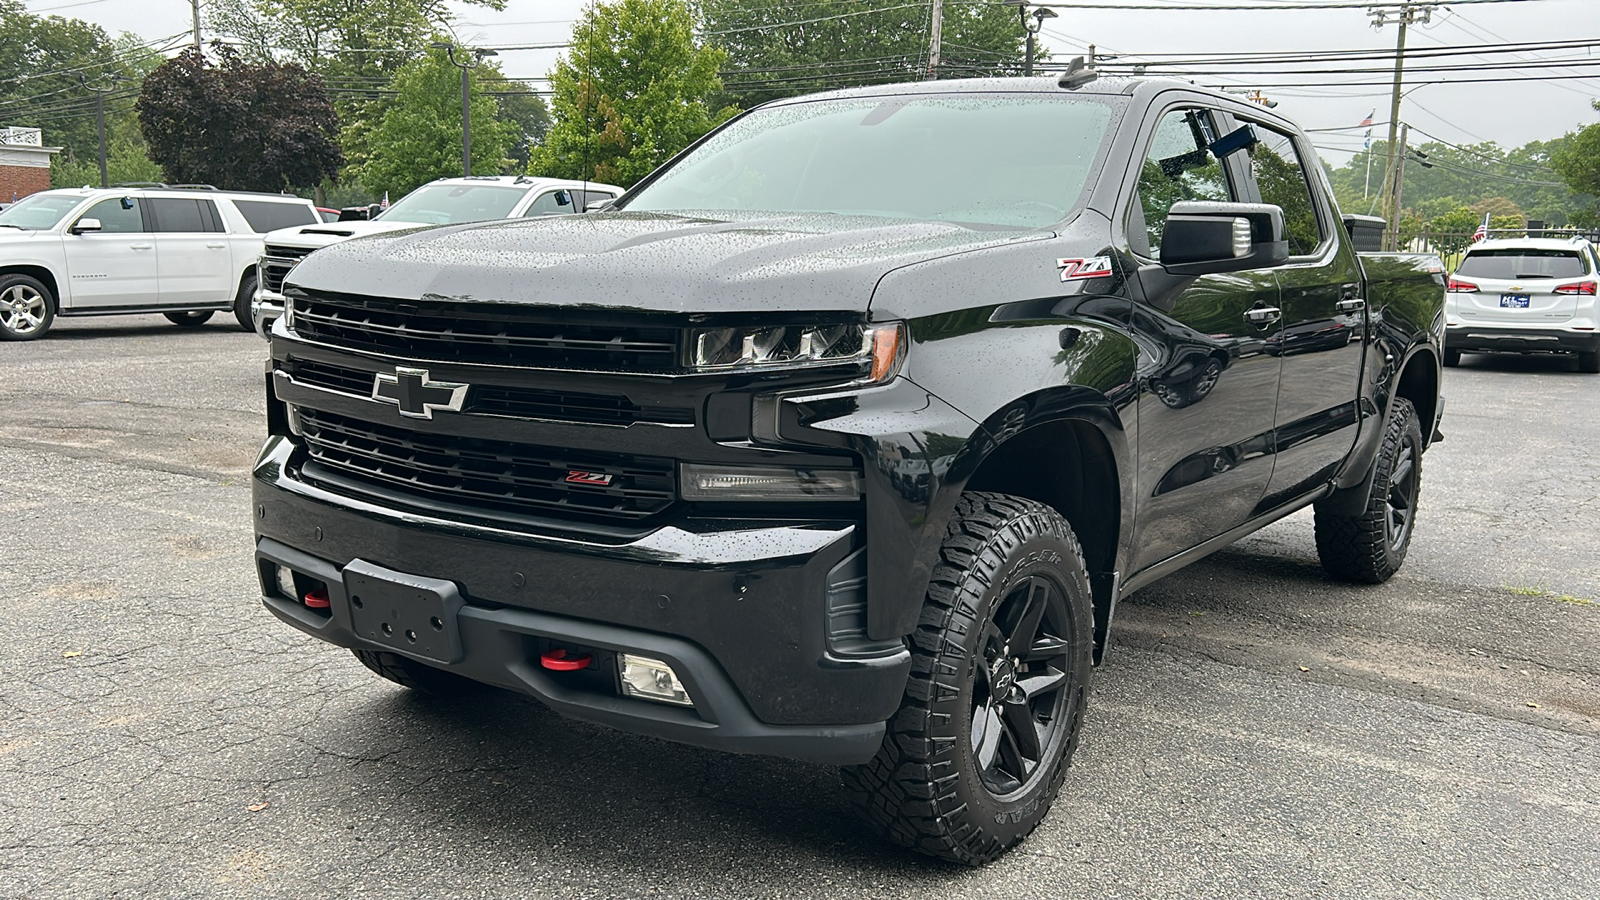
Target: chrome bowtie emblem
416, 395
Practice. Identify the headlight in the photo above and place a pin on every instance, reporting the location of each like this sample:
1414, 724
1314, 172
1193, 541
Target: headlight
799, 346
768, 483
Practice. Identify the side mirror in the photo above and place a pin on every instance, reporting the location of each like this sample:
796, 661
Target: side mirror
86, 226
563, 198
603, 203
1208, 238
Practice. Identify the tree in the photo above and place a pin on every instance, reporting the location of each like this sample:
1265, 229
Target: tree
634, 89
242, 126
417, 138
1577, 161
524, 113
783, 50
44, 62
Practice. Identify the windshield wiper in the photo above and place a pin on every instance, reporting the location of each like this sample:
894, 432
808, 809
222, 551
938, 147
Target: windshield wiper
17, 227
1525, 277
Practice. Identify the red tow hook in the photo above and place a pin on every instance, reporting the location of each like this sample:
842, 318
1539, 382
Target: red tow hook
556, 660
317, 598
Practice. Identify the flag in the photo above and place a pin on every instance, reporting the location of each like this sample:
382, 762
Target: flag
385, 203
1367, 122
1483, 230
1368, 144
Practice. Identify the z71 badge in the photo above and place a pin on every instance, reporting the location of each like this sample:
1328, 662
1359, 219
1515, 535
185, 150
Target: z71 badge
1075, 269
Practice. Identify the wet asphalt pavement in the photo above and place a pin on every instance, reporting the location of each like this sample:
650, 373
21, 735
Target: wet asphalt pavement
1258, 731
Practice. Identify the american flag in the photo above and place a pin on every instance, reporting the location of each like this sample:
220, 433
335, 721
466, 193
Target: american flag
1483, 230
1367, 122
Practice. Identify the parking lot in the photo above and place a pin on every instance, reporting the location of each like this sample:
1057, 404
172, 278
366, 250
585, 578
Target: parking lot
1257, 731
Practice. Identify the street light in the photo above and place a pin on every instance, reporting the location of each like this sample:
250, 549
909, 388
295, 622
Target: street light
100, 117
1038, 16
475, 57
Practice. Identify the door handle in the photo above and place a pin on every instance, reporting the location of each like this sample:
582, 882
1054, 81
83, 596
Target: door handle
1352, 304
215, 246
1262, 315
142, 246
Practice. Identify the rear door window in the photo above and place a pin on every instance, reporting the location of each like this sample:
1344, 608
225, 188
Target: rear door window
1282, 180
269, 215
1519, 263
180, 215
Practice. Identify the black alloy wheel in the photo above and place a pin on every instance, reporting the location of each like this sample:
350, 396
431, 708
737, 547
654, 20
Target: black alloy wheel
189, 319
1371, 546
1000, 663
1019, 697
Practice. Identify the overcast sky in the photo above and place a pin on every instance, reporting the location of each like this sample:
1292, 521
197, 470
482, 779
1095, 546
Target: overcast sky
1510, 113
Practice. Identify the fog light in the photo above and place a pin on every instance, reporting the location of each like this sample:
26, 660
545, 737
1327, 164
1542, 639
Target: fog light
707, 482
285, 584
651, 679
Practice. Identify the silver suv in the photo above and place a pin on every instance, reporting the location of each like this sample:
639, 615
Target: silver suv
1525, 295
186, 252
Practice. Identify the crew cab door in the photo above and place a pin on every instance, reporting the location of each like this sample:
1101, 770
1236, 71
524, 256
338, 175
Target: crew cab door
1209, 386
1324, 318
195, 264
115, 266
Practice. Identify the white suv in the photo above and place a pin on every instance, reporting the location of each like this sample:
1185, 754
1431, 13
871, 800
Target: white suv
447, 201
1525, 295
186, 252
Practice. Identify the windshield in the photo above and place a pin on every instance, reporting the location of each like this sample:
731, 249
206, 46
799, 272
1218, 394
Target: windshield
999, 159
1521, 262
37, 212
449, 204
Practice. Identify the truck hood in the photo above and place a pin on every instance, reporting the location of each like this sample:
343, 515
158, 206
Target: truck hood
322, 235
647, 261
14, 236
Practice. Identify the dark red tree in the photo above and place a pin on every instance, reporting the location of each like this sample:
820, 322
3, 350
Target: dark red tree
238, 125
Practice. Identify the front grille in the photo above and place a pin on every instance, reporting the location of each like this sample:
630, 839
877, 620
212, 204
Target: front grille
515, 402
483, 333
485, 475
277, 262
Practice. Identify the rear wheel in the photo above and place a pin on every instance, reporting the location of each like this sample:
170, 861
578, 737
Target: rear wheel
241, 302
1452, 358
999, 678
188, 319
26, 308
414, 675
1589, 362
1371, 547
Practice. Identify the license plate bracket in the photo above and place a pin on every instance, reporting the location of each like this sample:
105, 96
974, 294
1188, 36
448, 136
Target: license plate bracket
1514, 301
409, 614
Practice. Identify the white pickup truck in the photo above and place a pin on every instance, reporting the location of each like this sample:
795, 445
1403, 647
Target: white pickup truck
446, 201
185, 252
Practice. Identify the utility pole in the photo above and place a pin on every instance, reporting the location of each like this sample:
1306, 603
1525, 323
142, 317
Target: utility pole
1392, 227
935, 38
1409, 13
100, 119
196, 5
473, 58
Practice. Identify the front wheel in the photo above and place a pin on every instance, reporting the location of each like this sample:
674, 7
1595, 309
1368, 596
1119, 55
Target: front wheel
1370, 547
1452, 358
241, 302
188, 319
417, 676
999, 678
26, 308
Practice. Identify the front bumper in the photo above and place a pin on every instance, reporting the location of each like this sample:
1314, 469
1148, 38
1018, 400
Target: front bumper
738, 608
265, 308
1490, 339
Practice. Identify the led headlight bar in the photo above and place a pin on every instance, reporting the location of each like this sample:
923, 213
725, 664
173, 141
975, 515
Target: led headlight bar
798, 346
712, 483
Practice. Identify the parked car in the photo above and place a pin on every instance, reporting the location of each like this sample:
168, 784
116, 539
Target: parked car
327, 215
183, 252
841, 436
1525, 295
447, 201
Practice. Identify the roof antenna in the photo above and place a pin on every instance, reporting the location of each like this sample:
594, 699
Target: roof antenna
1077, 75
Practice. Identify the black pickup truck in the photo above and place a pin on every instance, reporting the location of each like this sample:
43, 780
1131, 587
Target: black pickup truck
839, 437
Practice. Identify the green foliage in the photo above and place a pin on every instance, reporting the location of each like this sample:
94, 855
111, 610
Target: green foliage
634, 89
839, 43
125, 162
1577, 159
237, 125
44, 61
417, 137
525, 115
1451, 232
1462, 176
